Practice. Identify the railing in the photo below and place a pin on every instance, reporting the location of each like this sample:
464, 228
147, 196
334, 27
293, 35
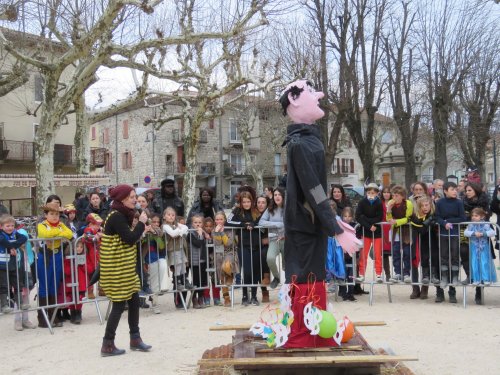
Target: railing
21, 151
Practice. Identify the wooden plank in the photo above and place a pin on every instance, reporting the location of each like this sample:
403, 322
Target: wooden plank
237, 327
303, 350
295, 361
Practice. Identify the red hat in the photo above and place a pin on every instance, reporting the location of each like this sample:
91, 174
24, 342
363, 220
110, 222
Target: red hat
94, 219
120, 192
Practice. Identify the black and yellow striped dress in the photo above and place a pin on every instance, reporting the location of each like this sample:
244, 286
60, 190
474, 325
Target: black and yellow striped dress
118, 258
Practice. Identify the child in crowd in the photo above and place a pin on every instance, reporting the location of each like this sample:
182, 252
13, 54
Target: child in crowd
92, 240
176, 248
399, 211
246, 217
482, 266
347, 292
226, 259
335, 269
12, 275
423, 235
386, 196
50, 260
208, 227
71, 221
369, 214
83, 280
449, 213
198, 261
154, 259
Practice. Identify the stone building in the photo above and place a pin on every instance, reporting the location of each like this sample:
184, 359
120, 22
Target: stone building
141, 155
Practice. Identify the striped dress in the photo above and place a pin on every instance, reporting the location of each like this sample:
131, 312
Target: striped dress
118, 258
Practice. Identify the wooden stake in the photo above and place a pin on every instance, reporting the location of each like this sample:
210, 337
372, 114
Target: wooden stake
246, 327
313, 360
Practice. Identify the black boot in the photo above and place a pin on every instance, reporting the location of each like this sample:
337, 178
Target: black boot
452, 293
109, 349
416, 292
358, 290
136, 343
65, 314
76, 316
439, 295
479, 296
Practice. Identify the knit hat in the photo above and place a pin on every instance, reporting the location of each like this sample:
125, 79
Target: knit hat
120, 192
94, 219
169, 181
69, 208
52, 206
372, 185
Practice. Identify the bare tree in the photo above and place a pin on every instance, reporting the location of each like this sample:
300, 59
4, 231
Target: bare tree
448, 32
80, 37
358, 45
401, 85
478, 101
219, 73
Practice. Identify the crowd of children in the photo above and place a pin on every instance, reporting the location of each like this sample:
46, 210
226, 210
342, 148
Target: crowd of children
421, 232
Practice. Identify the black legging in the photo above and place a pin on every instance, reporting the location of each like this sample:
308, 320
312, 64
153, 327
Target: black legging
116, 314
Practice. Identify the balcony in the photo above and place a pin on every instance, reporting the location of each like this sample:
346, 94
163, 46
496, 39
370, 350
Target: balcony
21, 152
204, 169
234, 169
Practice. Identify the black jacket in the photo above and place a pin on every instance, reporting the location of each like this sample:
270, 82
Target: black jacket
197, 209
308, 218
368, 214
478, 201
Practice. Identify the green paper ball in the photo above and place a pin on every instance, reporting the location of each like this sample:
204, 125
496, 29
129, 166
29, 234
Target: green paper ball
328, 325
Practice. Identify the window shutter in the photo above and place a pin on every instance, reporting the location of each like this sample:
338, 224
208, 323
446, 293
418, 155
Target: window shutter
338, 164
93, 132
129, 160
125, 129
351, 166
106, 136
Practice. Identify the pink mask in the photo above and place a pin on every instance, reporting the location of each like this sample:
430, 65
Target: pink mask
304, 108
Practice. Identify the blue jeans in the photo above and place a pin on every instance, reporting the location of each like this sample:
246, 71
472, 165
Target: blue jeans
396, 258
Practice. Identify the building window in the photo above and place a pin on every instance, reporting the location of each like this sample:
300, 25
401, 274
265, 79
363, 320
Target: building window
108, 162
236, 161
387, 137
106, 136
490, 177
211, 124
93, 131
127, 160
35, 129
38, 88
2, 134
234, 134
343, 166
277, 164
125, 129
203, 136
233, 189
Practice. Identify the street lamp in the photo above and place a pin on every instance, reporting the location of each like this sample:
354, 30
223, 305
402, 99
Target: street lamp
153, 141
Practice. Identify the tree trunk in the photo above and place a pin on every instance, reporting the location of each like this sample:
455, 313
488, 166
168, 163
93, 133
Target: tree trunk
440, 125
189, 186
82, 145
44, 161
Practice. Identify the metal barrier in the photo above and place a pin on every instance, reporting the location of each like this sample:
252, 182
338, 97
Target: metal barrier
435, 258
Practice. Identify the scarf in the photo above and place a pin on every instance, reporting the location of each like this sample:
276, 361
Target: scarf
127, 212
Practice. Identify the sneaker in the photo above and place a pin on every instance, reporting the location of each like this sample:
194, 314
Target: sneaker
379, 279
274, 283
475, 283
206, 301
188, 285
487, 283
28, 324
435, 280
407, 279
254, 301
18, 325
395, 279
360, 278
332, 288
143, 304
244, 301
425, 280
340, 281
